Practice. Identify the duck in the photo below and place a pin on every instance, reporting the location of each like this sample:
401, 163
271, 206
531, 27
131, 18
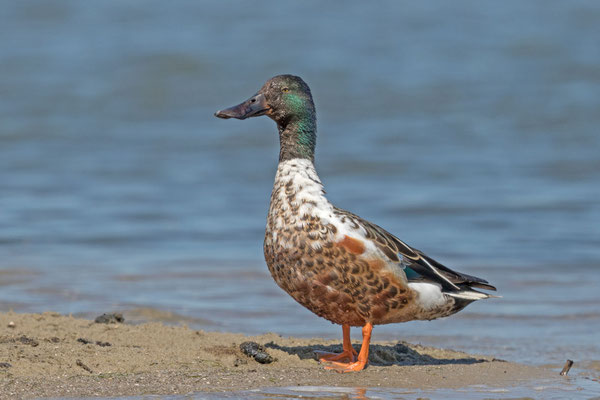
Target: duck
341, 267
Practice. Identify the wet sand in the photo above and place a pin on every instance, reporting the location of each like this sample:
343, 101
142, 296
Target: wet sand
50, 355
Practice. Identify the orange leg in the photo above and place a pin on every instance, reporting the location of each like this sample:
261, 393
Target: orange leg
363, 356
348, 354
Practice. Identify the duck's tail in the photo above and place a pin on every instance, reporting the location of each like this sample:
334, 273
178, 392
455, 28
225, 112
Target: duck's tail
465, 296
470, 294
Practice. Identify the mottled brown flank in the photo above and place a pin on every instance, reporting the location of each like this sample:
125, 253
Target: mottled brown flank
331, 279
354, 246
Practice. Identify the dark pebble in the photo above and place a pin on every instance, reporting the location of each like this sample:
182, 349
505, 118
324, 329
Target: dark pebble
5, 365
111, 318
256, 351
25, 340
97, 342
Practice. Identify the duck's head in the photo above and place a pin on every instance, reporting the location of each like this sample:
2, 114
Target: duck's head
286, 99
283, 98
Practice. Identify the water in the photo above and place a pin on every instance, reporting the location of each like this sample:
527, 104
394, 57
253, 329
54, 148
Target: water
544, 390
468, 129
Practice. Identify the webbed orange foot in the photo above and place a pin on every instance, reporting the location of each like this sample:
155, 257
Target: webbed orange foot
347, 367
363, 356
346, 355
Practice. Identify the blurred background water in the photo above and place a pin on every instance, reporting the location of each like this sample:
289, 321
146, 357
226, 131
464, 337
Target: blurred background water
469, 129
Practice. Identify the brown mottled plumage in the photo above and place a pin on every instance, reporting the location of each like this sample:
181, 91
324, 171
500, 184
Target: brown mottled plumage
333, 279
334, 263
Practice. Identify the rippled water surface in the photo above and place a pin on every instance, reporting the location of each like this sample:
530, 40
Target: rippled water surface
545, 390
469, 129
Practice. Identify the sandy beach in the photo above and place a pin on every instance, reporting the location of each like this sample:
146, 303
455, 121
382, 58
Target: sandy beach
50, 355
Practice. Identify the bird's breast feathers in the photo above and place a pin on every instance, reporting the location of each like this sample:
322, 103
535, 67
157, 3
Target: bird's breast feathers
300, 215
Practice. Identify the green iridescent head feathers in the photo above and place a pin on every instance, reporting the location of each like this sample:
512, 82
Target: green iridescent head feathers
292, 108
287, 100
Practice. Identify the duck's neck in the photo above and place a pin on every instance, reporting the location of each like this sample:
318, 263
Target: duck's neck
297, 189
298, 137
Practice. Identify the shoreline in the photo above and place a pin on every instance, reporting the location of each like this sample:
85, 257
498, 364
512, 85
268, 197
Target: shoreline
50, 355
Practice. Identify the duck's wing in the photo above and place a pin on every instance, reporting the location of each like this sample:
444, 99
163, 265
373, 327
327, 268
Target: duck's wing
424, 267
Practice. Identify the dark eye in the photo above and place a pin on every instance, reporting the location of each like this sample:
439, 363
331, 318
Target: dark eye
285, 90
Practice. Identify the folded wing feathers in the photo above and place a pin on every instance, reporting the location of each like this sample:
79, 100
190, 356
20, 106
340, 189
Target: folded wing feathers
458, 277
454, 283
426, 266
429, 271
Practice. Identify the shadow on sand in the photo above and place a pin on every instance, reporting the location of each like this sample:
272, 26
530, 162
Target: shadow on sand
381, 355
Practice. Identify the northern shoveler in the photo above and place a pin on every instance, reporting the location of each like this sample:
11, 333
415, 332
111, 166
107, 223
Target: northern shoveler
341, 267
